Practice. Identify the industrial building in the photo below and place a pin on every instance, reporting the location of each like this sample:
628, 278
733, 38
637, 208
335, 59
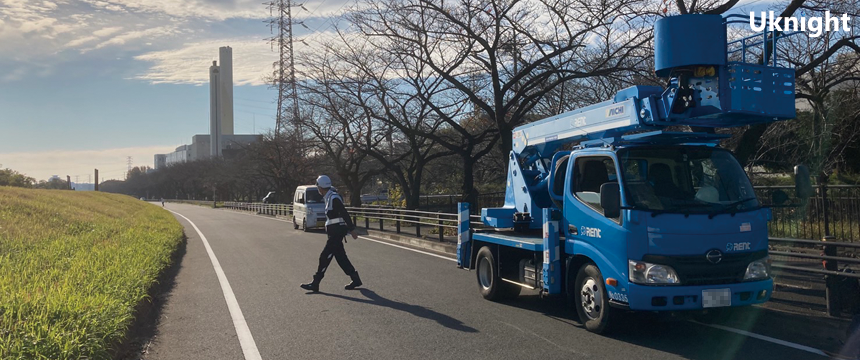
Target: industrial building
221, 136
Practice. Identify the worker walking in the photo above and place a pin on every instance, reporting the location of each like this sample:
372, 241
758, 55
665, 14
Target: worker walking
337, 225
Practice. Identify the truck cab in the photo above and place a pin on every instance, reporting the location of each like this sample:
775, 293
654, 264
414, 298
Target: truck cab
671, 225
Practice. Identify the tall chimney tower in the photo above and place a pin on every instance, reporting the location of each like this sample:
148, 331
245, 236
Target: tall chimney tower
215, 111
226, 84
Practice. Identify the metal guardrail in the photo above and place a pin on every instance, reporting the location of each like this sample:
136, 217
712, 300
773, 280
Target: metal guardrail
829, 257
416, 218
260, 208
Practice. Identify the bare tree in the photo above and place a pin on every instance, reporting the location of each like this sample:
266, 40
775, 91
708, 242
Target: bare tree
282, 161
384, 117
334, 124
501, 57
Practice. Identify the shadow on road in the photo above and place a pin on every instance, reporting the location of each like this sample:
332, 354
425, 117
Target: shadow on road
375, 299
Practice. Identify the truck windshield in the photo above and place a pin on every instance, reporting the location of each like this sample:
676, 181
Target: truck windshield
685, 179
313, 196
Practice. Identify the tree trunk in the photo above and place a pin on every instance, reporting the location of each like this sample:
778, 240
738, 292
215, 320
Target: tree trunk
470, 195
354, 196
505, 140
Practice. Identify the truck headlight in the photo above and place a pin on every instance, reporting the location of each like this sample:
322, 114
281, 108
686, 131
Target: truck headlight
758, 270
646, 273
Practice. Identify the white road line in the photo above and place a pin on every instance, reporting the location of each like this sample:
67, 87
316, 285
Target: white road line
406, 248
725, 328
246, 340
766, 338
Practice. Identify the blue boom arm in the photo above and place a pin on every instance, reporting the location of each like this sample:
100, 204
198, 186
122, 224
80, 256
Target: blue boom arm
706, 88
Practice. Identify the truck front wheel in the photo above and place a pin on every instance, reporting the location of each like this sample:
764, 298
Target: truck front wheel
591, 300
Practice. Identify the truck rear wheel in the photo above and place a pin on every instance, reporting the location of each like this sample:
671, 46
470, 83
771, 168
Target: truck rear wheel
591, 300
488, 277
489, 283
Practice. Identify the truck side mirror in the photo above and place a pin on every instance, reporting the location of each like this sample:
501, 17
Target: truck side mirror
802, 183
610, 199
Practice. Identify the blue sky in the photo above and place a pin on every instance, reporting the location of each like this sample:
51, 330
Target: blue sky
86, 83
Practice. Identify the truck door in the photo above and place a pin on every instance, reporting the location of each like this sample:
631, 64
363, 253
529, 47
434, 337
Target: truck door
591, 232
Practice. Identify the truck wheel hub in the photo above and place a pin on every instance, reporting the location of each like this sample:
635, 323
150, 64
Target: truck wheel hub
591, 298
485, 273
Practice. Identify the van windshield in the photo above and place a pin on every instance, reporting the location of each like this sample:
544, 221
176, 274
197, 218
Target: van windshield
685, 179
313, 196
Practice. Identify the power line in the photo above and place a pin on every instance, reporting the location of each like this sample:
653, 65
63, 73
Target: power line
329, 20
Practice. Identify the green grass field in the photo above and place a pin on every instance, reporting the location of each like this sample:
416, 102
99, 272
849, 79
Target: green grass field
73, 266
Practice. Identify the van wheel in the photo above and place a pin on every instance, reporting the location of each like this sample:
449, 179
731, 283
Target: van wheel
305, 225
591, 300
295, 224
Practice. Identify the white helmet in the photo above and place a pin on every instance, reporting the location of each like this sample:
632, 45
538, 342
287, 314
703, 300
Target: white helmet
323, 182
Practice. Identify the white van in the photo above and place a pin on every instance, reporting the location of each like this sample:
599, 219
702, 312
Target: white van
308, 208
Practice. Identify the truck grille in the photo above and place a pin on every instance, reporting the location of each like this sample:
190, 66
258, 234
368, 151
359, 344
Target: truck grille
697, 270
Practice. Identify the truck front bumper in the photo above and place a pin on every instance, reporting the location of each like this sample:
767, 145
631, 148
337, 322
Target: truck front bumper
671, 298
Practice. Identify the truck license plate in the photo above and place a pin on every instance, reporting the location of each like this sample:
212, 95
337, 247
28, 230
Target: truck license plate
716, 298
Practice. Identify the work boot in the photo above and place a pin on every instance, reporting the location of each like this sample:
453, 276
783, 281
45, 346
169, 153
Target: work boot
313, 285
356, 281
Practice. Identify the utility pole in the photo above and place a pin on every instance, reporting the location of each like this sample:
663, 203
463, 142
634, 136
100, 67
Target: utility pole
284, 74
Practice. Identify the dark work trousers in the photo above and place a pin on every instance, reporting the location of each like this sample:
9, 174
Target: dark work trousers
334, 248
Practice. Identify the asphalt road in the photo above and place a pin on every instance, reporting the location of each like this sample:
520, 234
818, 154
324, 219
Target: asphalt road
412, 306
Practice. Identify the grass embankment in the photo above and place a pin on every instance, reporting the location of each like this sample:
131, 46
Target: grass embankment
73, 267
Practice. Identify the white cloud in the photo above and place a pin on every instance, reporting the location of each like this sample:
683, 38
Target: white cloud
123, 38
110, 162
36, 34
107, 31
214, 10
252, 59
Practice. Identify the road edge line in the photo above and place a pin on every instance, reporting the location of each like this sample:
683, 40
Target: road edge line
766, 338
243, 333
406, 248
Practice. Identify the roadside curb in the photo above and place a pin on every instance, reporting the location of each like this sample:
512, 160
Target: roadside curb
445, 247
